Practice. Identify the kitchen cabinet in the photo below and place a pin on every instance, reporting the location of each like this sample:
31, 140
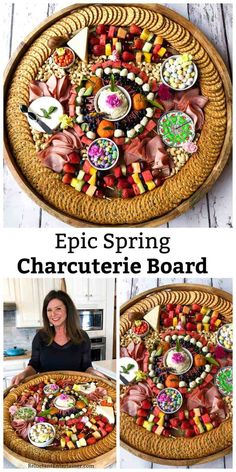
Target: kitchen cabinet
12, 368
87, 292
8, 291
28, 295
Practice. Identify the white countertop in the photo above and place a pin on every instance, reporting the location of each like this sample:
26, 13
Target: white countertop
106, 367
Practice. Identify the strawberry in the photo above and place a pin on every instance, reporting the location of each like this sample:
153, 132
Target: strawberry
147, 175
196, 307
138, 43
91, 440
146, 405
127, 193
93, 40
69, 168
140, 421
127, 56
122, 183
130, 179
198, 317
104, 420
185, 425
129, 169
166, 433
74, 158
142, 412
108, 428
156, 411
189, 433
98, 50
67, 178
101, 29
80, 426
134, 29
117, 172
109, 180
167, 323
174, 422
154, 428
170, 307
181, 415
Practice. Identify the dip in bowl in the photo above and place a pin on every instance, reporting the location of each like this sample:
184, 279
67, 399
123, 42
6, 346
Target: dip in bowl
114, 104
42, 434
178, 361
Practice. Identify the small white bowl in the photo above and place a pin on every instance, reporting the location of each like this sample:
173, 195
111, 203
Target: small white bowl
227, 325
170, 86
126, 95
46, 443
187, 352
173, 390
71, 64
115, 161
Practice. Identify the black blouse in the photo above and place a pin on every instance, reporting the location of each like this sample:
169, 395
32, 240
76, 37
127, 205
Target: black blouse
55, 357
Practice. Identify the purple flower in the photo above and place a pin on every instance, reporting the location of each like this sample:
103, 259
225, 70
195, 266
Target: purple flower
113, 100
178, 357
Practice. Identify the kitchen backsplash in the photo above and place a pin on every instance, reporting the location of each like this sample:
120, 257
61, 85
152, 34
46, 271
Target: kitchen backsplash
19, 337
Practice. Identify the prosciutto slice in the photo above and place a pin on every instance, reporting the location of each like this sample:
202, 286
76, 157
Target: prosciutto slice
54, 87
134, 395
99, 393
192, 103
22, 427
138, 352
60, 146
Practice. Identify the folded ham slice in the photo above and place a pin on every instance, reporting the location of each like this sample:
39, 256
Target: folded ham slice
59, 146
192, 103
134, 395
54, 87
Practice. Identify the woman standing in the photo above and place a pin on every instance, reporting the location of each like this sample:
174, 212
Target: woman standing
61, 344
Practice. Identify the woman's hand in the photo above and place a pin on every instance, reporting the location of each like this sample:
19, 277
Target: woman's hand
92, 371
18, 378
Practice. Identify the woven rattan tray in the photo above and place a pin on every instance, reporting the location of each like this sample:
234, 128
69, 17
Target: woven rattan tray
179, 451
178, 193
23, 454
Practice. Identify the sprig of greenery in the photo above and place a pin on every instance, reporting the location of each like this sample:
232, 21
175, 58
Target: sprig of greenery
127, 369
47, 113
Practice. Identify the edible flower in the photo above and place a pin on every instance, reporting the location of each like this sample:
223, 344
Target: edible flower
164, 92
140, 375
66, 122
178, 357
113, 101
190, 147
219, 352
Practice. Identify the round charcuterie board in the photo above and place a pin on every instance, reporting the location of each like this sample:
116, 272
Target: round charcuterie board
176, 408
122, 73
60, 420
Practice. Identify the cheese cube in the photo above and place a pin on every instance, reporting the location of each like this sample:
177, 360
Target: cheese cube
79, 185
147, 57
92, 180
145, 34
159, 430
74, 182
80, 175
158, 40
136, 178
209, 426
136, 167
91, 190
161, 52
218, 322
150, 185
108, 49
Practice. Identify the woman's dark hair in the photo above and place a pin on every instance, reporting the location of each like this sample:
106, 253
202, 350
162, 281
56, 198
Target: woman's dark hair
73, 329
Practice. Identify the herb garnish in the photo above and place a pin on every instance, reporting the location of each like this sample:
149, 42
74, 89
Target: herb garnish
127, 369
47, 114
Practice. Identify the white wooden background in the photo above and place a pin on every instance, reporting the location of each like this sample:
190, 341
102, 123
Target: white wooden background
127, 289
215, 20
